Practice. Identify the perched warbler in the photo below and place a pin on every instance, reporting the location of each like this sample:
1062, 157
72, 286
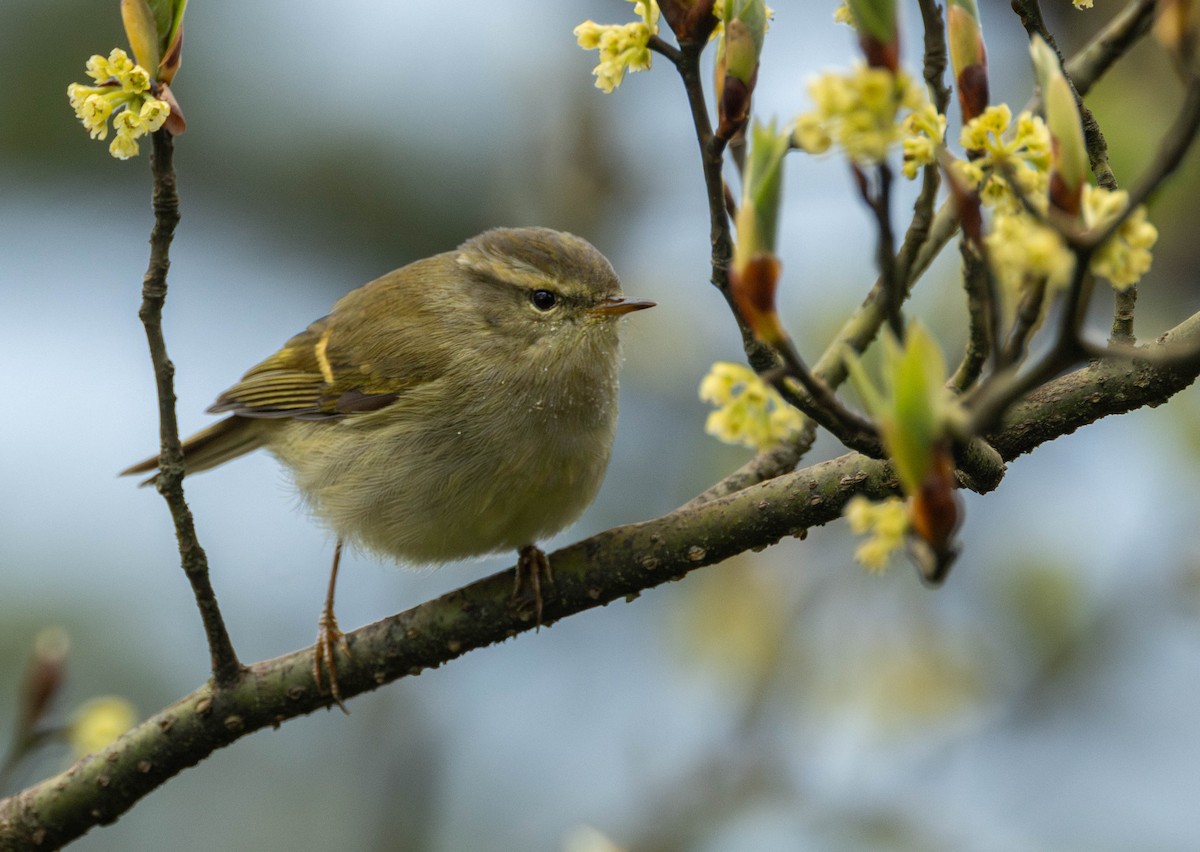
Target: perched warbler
461, 405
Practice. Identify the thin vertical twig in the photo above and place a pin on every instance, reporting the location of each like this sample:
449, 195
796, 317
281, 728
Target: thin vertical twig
225, 665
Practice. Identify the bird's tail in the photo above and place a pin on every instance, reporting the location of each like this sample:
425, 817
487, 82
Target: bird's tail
224, 440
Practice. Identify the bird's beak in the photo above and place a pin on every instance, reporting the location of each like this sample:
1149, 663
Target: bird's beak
615, 306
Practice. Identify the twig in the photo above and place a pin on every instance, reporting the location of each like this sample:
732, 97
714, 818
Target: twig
711, 156
225, 666
1124, 302
933, 70
934, 64
1029, 312
667, 50
1030, 13
983, 319
1110, 44
1005, 387
853, 430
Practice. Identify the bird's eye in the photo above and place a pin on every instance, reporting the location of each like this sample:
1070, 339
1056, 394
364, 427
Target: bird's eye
543, 300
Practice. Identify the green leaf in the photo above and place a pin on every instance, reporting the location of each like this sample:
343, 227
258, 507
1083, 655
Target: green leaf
1062, 116
758, 216
142, 31
875, 18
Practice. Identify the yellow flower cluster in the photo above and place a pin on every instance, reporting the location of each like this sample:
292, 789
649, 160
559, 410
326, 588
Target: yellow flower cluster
859, 112
623, 47
1125, 256
122, 93
887, 524
1082, 4
924, 129
1025, 154
841, 15
1023, 250
749, 411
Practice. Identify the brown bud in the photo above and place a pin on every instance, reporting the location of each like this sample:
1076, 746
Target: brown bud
43, 678
690, 20
735, 106
753, 285
972, 91
880, 54
936, 513
175, 123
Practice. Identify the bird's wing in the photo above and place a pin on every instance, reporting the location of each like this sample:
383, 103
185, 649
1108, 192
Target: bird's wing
315, 376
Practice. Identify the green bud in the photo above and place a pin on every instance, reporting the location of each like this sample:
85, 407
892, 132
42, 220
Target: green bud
755, 269
911, 409
745, 27
875, 18
737, 62
142, 31
758, 215
875, 21
168, 15
1069, 154
155, 32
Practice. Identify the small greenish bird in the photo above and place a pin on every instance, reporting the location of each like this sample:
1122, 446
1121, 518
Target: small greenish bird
464, 404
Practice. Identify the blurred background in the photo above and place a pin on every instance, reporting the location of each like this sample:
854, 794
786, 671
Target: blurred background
1045, 698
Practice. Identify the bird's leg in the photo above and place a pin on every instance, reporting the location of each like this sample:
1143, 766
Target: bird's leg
532, 566
329, 635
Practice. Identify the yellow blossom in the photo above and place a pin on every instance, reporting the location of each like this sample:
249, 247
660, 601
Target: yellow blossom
153, 114
122, 96
136, 80
120, 65
1023, 151
886, 522
860, 110
1022, 250
923, 130
1125, 256
92, 108
809, 134
123, 146
99, 722
98, 69
623, 47
749, 411
841, 15
1082, 4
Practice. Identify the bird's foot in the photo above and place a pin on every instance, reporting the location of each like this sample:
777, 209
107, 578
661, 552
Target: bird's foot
329, 638
532, 568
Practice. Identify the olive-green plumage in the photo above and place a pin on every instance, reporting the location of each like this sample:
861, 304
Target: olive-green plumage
461, 405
